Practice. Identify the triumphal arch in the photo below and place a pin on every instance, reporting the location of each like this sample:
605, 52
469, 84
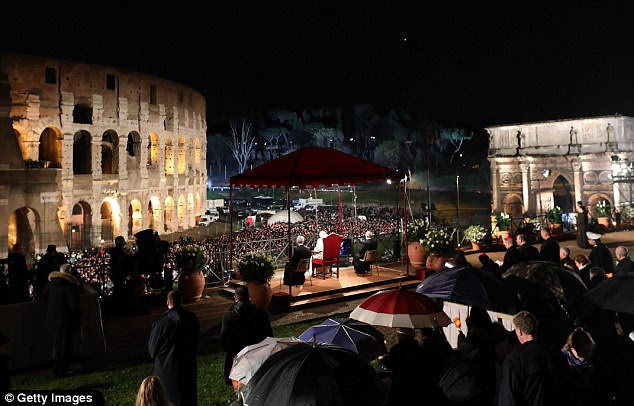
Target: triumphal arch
535, 166
90, 152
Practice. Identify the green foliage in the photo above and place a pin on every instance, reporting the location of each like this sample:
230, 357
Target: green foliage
503, 221
190, 258
437, 239
627, 213
602, 209
554, 215
387, 153
417, 229
256, 267
475, 233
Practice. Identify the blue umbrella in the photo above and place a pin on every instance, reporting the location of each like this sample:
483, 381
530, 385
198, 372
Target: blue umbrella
460, 285
351, 334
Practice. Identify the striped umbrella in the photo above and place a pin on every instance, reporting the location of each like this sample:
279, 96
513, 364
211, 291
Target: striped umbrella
401, 308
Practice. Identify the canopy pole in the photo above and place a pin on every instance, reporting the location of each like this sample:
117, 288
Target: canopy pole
405, 225
288, 208
231, 226
340, 209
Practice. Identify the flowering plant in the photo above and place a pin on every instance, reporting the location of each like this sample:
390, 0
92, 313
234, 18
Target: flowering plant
256, 267
436, 240
603, 209
503, 221
417, 229
475, 233
554, 215
191, 257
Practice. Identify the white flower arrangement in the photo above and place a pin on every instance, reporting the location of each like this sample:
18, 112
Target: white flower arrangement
475, 233
436, 240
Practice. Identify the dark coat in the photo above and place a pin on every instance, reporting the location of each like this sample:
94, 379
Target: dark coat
550, 251
62, 295
582, 225
526, 377
173, 346
511, 257
624, 266
529, 253
18, 277
291, 277
360, 266
600, 256
243, 325
119, 264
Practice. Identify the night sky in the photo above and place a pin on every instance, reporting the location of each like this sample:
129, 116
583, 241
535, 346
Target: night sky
460, 65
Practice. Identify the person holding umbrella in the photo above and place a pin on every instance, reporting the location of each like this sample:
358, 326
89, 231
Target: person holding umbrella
600, 255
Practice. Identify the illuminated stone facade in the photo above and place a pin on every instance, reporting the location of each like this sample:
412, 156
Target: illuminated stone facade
91, 152
536, 166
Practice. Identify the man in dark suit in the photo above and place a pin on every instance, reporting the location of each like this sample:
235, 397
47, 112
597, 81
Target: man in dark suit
173, 346
243, 325
527, 251
600, 255
512, 255
63, 315
550, 247
625, 264
368, 244
291, 277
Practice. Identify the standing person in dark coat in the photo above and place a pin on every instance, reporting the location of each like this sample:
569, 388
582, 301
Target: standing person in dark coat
243, 325
63, 316
291, 277
173, 346
489, 267
50, 262
527, 372
512, 255
550, 247
582, 224
18, 275
527, 251
368, 244
120, 260
600, 255
404, 360
625, 264
583, 268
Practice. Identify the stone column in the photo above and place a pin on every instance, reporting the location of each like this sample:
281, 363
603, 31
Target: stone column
95, 140
96, 225
123, 157
67, 156
123, 215
526, 187
576, 170
495, 187
145, 140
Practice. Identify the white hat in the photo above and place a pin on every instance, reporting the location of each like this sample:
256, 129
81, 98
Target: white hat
592, 236
369, 234
323, 234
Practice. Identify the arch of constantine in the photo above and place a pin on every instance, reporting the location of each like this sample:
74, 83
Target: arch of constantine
536, 166
91, 152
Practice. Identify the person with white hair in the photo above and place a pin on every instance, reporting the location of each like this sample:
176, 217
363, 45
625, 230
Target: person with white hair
369, 243
625, 264
318, 251
291, 277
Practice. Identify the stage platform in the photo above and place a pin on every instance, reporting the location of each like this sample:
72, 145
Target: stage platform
349, 285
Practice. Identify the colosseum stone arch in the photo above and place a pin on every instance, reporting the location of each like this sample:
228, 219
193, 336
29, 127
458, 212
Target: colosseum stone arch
79, 155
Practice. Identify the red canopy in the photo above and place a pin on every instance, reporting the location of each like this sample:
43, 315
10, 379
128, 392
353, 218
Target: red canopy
314, 167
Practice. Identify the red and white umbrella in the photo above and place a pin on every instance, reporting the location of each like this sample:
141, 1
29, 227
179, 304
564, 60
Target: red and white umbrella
401, 308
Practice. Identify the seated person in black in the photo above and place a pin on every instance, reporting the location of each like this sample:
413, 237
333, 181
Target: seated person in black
292, 277
368, 244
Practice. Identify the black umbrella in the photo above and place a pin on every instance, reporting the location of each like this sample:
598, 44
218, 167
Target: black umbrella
614, 294
560, 282
317, 375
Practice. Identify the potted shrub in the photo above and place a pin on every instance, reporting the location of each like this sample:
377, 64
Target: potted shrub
416, 231
475, 233
554, 218
503, 224
602, 210
191, 259
437, 240
256, 270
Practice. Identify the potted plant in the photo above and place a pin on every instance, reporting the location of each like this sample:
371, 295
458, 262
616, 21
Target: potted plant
503, 224
256, 270
603, 213
191, 259
554, 218
475, 233
437, 240
416, 231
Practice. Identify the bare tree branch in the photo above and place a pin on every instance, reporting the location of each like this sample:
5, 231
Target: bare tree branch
242, 143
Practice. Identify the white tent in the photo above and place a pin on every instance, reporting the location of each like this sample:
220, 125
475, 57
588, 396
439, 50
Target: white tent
282, 217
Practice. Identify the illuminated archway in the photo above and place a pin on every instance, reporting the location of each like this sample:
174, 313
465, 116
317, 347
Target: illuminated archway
135, 217
80, 226
168, 214
190, 210
182, 152
107, 223
596, 198
154, 213
562, 194
50, 148
181, 212
513, 205
197, 154
169, 157
82, 153
153, 149
110, 152
24, 230
133, 148
197, 202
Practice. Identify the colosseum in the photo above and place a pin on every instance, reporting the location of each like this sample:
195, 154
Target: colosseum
91, 152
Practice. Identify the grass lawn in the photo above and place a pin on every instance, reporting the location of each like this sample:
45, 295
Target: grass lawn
119, 384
